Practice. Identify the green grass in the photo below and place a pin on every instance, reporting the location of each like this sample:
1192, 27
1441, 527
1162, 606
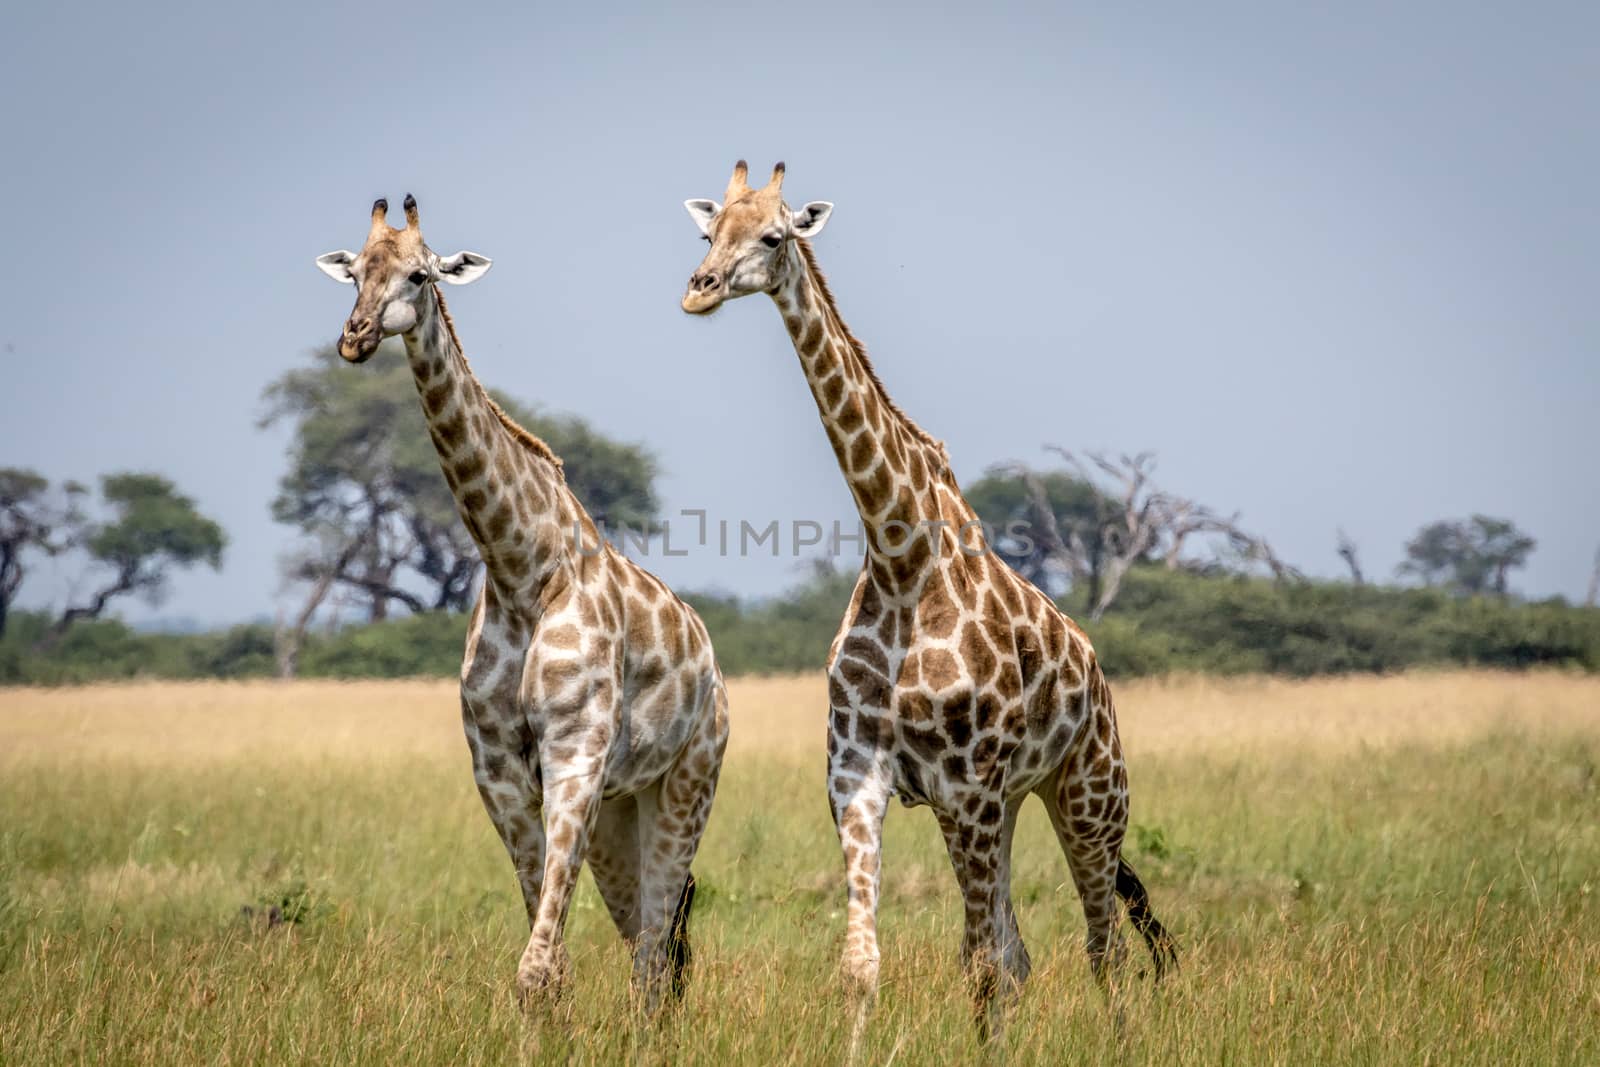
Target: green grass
1415, 904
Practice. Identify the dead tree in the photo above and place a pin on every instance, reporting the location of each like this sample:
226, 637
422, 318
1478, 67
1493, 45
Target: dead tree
1593, 599
1255, 549
1132, 518
322, 574
1068, 553
1135, 521
1347, 552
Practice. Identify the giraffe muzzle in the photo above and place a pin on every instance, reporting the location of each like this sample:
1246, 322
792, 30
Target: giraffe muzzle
358, 341
705, 293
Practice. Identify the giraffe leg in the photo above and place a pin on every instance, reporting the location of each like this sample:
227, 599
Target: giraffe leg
859, 804
614, 862
571, 807
509, 788
672, 818
1088, 807
992, 954
1014, 960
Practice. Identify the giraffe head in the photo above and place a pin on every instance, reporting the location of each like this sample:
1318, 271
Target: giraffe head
392, 274
749, 233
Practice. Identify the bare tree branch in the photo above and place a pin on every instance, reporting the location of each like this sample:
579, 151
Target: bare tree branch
126, 581
1594, 582
1347, 552
1134, 520
288, 639
1130, 519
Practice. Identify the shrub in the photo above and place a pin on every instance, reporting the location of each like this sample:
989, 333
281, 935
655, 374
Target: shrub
1164, 621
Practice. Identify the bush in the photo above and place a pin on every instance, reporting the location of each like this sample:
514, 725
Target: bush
1230, 625
781, 635
429, 644
1164, 621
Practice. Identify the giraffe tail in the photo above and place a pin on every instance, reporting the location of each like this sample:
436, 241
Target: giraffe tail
1162, 949
678, 938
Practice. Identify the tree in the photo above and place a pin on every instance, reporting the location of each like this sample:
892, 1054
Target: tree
1348, 551
321, 571
1127, 527
1013, 501
353, 466
1470, 556
365, 489
30, 520
1101, 516
154, 529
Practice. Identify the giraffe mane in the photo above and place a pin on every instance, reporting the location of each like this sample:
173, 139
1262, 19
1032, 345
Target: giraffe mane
523, 436
860, 351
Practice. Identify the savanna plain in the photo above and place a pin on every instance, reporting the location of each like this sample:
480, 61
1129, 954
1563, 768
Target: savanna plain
1365, 870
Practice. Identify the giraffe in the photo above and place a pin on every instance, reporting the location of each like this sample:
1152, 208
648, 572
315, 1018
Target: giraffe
593, 707
952, 682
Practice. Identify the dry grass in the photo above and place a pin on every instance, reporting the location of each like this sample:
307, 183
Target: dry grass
1365, 870
205, 722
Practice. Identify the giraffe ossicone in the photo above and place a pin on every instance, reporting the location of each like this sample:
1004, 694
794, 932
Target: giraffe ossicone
953, 682
590, 696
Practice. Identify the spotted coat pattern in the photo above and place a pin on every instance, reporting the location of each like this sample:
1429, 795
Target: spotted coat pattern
952, 682
593, 707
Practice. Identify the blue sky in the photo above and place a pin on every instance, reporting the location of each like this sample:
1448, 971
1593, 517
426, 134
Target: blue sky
1336, 268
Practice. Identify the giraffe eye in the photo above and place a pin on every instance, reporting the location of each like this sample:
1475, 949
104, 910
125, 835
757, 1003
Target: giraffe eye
418, 277
772, 240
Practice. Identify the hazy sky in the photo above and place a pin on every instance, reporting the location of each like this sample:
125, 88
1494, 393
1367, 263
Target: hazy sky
1336, 268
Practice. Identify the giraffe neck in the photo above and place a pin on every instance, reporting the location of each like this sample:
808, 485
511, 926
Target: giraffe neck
508, 486
899, 475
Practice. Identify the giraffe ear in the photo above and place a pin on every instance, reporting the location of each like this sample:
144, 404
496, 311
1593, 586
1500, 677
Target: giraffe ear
809, 220
703, 211
336, 265
463, 268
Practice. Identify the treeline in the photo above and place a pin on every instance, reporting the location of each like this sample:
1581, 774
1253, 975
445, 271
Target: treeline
1164, 621
102, 650
1172, 621
1163, 582
376, 532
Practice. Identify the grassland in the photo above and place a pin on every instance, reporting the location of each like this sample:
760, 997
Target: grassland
1368, 870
